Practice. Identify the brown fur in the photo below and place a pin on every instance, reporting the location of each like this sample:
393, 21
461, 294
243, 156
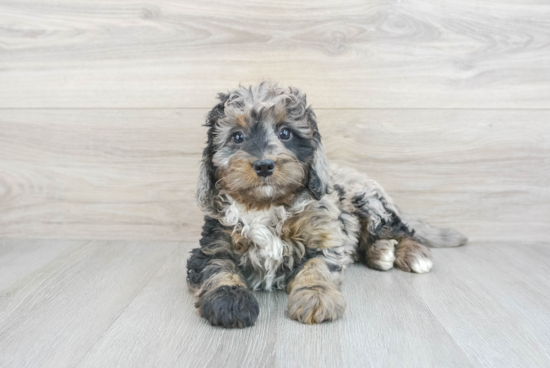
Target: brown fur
381, 255
239, 242
310, 228
241, 182
279, 113
313, 295
241, 121
407, 251
228, 275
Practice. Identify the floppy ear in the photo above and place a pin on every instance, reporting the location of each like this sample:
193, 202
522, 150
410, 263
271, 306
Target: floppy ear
206, 186
320, 182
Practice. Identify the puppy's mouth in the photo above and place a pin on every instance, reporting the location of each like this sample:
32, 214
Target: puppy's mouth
266, 190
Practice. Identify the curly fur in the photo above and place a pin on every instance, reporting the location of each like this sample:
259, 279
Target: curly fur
296, 229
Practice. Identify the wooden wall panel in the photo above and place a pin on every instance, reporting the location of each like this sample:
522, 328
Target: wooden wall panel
131, 173
353, 54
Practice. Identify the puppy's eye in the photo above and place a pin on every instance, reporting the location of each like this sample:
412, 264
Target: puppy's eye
238, 137
285, 134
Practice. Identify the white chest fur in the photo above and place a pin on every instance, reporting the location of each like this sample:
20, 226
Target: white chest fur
263, 228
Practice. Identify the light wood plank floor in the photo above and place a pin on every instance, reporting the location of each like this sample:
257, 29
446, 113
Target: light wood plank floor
126, 304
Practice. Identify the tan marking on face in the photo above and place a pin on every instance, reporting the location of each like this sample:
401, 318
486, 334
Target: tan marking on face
241, 121
239, 173
236, 174
289, 172
240, 181
279, 113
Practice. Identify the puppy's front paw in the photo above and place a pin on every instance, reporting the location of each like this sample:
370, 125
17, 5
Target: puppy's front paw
413, 257
316, 304
229, 307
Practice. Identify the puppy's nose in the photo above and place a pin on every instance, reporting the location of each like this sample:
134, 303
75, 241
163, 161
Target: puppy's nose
264, 167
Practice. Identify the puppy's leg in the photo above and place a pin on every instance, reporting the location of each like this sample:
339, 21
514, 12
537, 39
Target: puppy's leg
313, 294
411, 256
381, 255
222, 296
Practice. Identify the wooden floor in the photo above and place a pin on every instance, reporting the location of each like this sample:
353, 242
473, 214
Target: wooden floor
126, 304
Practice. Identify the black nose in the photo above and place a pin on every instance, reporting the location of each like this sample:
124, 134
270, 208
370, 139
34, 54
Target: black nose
264, 167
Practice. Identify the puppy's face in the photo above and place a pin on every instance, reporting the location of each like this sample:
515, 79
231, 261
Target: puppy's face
262, 153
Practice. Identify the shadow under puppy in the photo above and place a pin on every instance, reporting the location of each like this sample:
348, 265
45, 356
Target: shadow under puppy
276, 215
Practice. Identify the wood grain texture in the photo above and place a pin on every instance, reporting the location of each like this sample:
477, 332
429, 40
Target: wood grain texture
126, 304
52, 316
18, 259
131, 174
353, 54
494, 289
99, 174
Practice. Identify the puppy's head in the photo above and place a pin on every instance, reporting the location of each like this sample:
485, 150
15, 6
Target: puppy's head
263, 147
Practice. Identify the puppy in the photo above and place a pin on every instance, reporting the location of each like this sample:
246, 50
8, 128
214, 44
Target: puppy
277, 217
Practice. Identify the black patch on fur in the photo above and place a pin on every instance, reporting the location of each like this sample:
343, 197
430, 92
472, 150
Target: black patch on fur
239, 105
229, 307
258, 135
394, 228
316, 186
361, 205
256, 143
195, 265
302, 147
312, 120
256, 115
298, 265
341, 192
211, 119
226, 306
334, 267
343, 221
213, 233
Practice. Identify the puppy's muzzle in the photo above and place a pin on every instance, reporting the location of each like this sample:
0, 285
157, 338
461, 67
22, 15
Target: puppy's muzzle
264, 167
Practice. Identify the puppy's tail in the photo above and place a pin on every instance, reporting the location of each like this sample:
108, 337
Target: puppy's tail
434, 237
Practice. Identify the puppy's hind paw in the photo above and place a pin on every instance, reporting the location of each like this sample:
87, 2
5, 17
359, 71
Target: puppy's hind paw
229, 307
412, 256
381, 255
